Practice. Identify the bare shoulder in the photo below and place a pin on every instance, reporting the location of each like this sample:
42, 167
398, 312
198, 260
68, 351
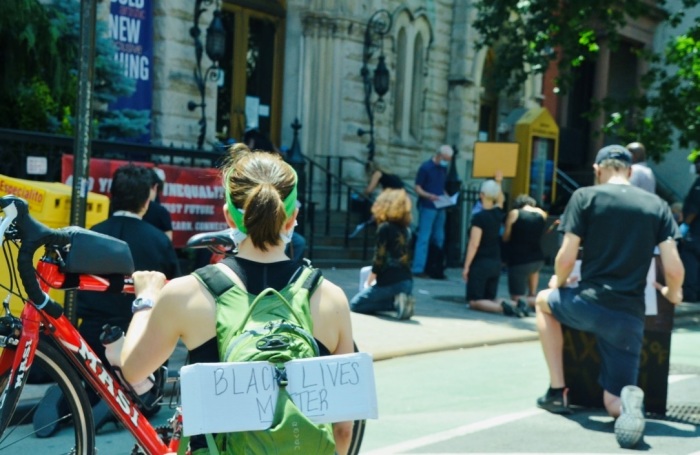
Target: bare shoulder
181, 287
186, 305
186, 294
330, 297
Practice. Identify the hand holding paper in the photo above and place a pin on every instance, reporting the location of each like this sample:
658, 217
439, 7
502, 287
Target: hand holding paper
446, 201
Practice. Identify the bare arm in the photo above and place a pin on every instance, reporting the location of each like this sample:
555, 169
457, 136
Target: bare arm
334, 330
566, 258
424, 194
474, 241
689, 218
500, 200
674, 273
510, 220
373, 182
179, 308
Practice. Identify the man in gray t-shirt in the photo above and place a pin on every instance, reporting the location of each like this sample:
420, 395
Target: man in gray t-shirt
642, 176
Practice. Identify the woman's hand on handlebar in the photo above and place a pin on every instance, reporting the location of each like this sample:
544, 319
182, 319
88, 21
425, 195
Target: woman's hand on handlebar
148, 283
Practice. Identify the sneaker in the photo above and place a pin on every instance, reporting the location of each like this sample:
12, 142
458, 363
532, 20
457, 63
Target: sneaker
629, 427
401, 306
510, 310
523, 307
410, 306
48, 415
555, 401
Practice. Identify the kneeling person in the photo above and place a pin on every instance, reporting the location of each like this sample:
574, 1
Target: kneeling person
609, 301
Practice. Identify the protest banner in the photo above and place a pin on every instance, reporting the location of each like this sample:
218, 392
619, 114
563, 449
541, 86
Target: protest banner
193, 196
241, 396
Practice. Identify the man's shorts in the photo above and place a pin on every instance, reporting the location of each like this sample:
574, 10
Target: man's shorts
519, 277
619, 336
482, 282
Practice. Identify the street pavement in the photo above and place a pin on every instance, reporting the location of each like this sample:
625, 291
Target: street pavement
442, 320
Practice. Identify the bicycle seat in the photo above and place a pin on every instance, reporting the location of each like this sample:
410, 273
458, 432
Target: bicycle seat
208, 239
98, 254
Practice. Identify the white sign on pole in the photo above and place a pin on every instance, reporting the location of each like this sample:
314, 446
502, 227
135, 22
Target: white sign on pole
241, 396
37, 165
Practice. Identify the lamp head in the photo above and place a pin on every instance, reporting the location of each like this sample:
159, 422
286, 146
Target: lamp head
216, 38
381, 78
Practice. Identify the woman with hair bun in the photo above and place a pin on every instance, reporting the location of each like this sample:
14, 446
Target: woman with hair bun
261, 191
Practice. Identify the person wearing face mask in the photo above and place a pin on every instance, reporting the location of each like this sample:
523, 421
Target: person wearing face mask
690, 229
261, 195
430, 186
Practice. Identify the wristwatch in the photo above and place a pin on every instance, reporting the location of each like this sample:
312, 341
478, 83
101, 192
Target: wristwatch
141, 304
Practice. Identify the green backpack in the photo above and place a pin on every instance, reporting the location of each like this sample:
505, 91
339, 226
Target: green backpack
276, 327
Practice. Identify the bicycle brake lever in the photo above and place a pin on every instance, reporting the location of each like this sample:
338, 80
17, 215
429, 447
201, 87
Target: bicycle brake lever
6, 304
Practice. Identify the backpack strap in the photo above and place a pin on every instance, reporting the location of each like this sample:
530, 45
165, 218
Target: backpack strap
216, 281
312, 281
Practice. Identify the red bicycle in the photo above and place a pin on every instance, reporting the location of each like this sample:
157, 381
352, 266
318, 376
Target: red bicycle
42, 336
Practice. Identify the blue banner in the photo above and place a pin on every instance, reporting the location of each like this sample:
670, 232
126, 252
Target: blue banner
131, 29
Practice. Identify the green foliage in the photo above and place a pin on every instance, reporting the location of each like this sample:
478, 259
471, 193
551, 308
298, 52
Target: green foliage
529, 36
124, 123
39, 47
34, 102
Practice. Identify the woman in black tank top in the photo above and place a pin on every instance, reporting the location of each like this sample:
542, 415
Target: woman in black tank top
525, 225
260, 191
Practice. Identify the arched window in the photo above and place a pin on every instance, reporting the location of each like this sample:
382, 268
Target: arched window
399, 95
417, 91
412, 35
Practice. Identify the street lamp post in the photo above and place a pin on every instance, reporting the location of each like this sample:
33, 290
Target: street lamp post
377, 27
215, 47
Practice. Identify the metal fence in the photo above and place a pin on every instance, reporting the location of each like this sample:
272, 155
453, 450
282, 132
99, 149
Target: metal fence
17, 147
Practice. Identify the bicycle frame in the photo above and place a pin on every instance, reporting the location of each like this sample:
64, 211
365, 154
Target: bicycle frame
20, 337
17, 357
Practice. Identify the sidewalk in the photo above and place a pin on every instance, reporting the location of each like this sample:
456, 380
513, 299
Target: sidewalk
442, 320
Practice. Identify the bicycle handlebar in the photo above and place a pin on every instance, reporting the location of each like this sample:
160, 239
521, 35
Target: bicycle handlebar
33, 235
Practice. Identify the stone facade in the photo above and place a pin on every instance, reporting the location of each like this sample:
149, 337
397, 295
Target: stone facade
323, 88
323, 85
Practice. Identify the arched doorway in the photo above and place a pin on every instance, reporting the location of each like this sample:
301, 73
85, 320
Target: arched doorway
250, 92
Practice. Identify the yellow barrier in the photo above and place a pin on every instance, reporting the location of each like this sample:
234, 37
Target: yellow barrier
49, 203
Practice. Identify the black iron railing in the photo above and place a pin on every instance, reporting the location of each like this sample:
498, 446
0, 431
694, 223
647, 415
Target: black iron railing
16, 146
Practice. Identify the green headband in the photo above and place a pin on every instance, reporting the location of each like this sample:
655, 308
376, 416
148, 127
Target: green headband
290, 203
694, 155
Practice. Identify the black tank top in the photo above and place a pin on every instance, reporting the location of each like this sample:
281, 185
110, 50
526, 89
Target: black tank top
524, 245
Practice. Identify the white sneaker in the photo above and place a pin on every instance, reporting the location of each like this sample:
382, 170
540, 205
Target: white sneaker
629, 427
401, 306
410, 306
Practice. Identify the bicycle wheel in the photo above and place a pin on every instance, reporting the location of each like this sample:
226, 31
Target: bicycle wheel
358, 432
76, 430
358, 428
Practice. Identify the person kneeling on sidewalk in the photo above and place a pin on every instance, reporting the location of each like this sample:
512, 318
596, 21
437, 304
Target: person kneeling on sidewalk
391, 266
609, 299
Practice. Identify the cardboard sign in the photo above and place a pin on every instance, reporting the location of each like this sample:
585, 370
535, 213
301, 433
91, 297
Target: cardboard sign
490, 157
241, 396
